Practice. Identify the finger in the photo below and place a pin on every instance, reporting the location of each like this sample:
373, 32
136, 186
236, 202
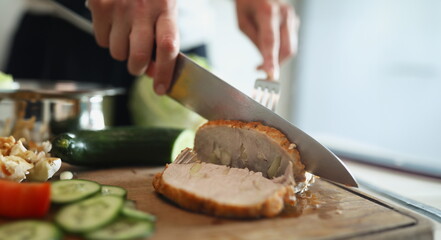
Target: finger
101, 11
119, 34
141, 41
269, 38
288, 33
167, 49
151, 70
247, 26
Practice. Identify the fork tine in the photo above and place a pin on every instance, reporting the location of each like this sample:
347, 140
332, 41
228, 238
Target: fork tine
275, 97
254, 94
269, 98
261, 95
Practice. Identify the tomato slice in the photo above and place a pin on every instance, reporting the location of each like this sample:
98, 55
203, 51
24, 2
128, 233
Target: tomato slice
24, 200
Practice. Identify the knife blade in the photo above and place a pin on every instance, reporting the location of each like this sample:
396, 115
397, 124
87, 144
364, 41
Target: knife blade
204, 93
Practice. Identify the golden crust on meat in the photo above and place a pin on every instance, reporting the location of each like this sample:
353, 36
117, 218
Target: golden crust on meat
271, 207
274, 134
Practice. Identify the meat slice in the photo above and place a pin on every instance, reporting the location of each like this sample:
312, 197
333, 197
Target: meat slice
220, 190
237, 169
248, 145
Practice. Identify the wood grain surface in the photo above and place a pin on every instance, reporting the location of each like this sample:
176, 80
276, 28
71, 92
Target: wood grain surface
327, 211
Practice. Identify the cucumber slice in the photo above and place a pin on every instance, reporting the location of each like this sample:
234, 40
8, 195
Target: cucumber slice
123, 228
89, 214
113, 190
30, 230
67, 191
184, 140
137, 214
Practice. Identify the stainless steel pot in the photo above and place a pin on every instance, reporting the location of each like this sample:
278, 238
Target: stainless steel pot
37, 110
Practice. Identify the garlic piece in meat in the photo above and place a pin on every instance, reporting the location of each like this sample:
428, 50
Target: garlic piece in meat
274, 167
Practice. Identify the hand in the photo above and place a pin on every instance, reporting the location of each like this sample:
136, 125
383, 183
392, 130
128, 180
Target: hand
272, 26
130, 28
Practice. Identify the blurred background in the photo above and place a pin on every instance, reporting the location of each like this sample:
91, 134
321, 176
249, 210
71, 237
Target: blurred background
366, 81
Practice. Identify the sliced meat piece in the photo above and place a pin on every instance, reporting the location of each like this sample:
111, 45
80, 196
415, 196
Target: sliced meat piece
237, 169
221, 190
248, 145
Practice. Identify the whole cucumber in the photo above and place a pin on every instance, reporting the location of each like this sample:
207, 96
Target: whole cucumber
121, 146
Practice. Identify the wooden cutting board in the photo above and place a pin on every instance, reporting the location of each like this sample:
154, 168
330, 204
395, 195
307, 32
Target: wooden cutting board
328, 211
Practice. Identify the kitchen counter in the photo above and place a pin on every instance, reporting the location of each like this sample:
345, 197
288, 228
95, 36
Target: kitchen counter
408, 187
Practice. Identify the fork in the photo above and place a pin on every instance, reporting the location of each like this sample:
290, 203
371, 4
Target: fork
266, 92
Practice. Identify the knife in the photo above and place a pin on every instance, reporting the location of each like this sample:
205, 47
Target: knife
214, 99
204, 93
